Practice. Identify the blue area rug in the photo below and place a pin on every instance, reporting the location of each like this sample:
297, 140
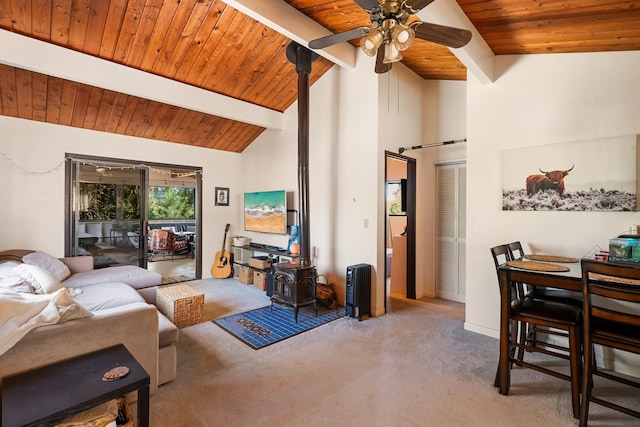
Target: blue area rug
267, 325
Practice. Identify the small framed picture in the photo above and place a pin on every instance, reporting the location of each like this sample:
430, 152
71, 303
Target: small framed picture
222, 196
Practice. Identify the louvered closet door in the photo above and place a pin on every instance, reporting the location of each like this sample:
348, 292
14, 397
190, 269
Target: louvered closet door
451, 210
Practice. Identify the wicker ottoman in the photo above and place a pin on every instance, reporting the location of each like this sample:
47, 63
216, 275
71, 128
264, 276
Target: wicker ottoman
181, 304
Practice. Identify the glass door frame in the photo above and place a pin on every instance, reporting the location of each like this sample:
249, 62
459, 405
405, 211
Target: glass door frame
71, 211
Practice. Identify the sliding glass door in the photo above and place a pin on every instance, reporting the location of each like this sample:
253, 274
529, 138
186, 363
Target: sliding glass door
114, 206
107, 212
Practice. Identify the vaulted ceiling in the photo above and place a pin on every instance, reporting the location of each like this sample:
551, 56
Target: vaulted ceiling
229, 56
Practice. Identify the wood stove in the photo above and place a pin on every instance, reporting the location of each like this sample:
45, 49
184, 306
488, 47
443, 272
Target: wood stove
295, 284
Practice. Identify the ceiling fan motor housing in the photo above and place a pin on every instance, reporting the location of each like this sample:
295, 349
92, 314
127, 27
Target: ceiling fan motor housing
391, 11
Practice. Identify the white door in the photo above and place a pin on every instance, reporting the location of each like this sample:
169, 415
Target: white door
450, 231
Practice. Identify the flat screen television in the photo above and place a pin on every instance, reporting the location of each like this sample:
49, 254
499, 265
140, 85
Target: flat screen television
266, 211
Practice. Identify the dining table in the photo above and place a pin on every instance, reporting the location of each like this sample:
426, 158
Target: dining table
569, 280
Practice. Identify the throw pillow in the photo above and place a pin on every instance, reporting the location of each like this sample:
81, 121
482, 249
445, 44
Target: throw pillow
38, 278
48, 262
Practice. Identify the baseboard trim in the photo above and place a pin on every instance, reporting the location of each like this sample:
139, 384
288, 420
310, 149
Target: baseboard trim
482, 330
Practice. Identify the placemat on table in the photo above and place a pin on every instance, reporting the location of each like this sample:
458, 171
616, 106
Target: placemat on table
551, 258
537, 266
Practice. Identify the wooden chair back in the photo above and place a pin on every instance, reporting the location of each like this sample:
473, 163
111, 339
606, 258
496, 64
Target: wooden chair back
500, 255
611, 310
515, 250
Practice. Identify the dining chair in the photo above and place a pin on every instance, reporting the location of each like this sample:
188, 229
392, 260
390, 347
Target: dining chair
612, 320
543, 293
501, 255
526, 311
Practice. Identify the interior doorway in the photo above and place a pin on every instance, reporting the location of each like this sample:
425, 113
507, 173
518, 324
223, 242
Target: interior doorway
400, 225
115, 206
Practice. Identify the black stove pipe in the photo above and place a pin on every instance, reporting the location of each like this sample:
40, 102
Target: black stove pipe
302, 58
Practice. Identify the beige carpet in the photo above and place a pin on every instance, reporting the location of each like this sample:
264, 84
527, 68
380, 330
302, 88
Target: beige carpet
415, 366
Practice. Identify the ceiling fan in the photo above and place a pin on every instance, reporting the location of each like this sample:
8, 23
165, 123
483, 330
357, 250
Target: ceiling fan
391, 32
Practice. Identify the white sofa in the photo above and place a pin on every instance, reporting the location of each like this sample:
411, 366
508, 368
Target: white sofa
120, 314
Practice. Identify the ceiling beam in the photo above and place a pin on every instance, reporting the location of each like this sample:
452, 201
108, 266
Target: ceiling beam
296, 26
477, 56
46, 58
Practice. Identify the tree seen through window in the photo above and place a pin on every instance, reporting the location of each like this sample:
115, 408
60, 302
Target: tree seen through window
98, 201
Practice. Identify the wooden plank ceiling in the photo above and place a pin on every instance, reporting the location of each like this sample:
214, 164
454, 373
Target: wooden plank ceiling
207, 44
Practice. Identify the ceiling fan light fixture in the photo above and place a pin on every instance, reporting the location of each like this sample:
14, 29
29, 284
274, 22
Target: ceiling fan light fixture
402, 36
372, 42
394, 27
391, 53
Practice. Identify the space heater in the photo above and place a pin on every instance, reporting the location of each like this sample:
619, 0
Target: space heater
358, 292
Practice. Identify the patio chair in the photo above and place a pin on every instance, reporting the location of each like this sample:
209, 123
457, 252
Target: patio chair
165, 242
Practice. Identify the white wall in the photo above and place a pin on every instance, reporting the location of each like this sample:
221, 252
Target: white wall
540, 99
32, 172
400, 113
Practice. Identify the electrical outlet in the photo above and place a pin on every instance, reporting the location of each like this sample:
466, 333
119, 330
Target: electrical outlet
366, 223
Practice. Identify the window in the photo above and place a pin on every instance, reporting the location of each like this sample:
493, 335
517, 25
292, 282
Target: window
396, 198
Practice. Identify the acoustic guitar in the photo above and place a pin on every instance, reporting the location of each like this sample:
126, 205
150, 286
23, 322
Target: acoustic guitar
222, 267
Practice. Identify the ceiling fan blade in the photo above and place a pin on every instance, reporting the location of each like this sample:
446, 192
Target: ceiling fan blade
368, 4
441, 34
418, 5
327, 41
381, 67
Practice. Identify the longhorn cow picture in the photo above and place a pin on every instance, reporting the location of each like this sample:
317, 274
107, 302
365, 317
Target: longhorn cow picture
594, 175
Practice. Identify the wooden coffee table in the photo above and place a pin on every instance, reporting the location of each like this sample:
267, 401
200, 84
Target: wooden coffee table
51, 393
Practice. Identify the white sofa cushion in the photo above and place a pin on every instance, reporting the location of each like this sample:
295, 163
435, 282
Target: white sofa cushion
94, 229
134, 276
103, 296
